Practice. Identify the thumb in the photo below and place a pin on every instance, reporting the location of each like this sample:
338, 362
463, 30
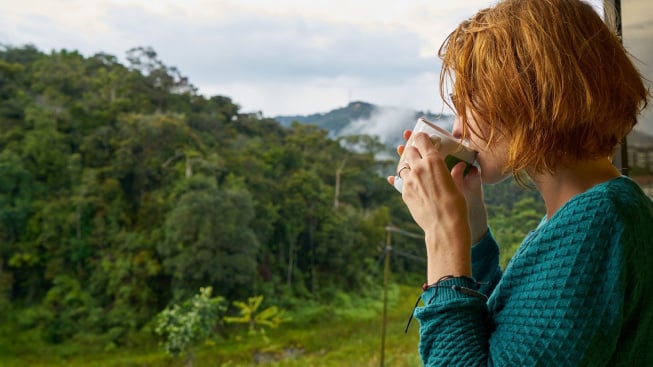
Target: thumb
473, 186
458, 173
470, 183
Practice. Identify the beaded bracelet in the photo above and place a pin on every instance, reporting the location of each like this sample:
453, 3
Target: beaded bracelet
458, 288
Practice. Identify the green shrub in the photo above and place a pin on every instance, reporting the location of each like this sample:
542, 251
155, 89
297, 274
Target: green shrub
184, 327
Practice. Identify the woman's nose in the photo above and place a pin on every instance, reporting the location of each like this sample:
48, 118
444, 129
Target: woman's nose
457, 130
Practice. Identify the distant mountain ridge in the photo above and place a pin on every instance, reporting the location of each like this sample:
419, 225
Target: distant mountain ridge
334, 120
360, 117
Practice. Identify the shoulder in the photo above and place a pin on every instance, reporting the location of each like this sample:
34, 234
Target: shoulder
593, 227
606, 209
623, 193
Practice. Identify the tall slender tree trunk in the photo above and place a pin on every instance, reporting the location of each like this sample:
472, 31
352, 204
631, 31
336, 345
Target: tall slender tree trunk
291, 258
336, 202
311, 230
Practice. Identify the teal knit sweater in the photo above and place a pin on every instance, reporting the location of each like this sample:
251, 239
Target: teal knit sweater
577, 292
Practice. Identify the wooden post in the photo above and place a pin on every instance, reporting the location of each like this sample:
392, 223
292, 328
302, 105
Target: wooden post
386, 278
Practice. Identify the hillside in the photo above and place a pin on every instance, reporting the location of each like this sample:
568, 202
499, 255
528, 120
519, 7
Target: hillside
124, 191
387, 123
334, 120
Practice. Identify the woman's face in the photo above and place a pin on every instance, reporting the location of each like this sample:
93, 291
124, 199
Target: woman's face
492, 158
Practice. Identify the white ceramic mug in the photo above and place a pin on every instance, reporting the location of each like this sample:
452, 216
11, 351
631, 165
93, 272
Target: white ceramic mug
454, 149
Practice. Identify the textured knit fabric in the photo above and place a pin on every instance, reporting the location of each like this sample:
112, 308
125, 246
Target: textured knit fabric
577, 292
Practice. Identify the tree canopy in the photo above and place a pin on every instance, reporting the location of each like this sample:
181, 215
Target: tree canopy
122, 190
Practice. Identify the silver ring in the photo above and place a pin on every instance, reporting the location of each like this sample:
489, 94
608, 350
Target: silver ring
402, 168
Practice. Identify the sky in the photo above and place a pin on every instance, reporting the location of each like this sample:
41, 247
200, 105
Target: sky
277, 57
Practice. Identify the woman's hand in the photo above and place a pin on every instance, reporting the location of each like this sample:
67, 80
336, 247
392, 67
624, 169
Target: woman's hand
442, 204
472, 189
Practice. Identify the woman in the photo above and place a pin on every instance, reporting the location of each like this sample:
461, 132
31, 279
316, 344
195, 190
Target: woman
544, 91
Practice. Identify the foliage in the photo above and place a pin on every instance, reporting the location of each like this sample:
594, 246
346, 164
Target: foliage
327, 342
123, 191
505, 210
257, 321
187, 326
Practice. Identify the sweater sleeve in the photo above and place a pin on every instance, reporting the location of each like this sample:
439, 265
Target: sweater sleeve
485, 263
558, 303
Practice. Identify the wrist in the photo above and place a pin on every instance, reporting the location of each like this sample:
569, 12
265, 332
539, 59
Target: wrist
458, 237
448, 255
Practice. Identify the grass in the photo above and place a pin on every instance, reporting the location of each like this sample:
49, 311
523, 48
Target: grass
347, 335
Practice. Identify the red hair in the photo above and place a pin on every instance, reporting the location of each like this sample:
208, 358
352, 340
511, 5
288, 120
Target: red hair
547, 75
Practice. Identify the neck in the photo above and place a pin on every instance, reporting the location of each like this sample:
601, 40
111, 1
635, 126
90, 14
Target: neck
566, 182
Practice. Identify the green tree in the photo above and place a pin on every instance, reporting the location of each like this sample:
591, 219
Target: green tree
164, 84
122, 190
207, 238
66, 306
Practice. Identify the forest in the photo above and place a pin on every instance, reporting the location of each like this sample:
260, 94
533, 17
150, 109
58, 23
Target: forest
124, 191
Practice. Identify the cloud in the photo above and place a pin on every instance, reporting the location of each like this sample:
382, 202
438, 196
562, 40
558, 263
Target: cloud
278, 57
388, 124
250, 48
283, 57
319, 95
292, 66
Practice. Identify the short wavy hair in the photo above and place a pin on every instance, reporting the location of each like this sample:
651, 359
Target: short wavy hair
548, 75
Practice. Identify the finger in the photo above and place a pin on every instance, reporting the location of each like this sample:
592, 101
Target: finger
411, 153
391, 180
473, 184
420, 145
469, 183
473, 177
426, 144
400, 149
407, 134
457, 173
427, 149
